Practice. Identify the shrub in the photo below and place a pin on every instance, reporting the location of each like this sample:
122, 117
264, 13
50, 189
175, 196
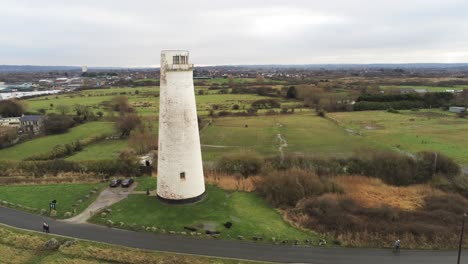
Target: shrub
266, 104
286, 188
57, 124
430, 163
11, 108
321, 112
244, 163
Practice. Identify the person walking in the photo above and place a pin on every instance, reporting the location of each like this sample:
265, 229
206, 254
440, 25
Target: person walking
397, 246
45, 227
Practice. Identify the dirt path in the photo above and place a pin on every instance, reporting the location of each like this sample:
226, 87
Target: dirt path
106, 198
283, 144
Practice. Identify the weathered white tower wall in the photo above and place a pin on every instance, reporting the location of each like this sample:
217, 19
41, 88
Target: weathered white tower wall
180, 168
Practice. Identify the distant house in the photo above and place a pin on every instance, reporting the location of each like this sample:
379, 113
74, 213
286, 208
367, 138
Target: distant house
32, 124
457, 109
10, 121
406, 90
420, 91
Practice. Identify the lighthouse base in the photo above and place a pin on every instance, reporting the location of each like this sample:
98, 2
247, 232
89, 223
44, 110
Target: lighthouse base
183, 201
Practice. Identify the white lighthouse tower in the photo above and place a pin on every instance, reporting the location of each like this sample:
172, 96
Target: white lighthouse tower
180, 168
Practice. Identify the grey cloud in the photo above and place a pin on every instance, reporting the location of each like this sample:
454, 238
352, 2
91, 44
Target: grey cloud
132, 33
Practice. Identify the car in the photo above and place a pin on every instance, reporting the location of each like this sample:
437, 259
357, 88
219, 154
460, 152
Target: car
115, 183
127, 182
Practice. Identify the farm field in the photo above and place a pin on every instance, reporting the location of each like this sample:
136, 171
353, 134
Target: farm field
249, 214
144, 99
304, 133
39, 196
44, 144
104, 150
411, 131
28, 247
428, 88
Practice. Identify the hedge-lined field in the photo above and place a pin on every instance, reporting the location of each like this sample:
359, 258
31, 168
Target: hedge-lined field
45, 144
104, 150
412, 131
305, 133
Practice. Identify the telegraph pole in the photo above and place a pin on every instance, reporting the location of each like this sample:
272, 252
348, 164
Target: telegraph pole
461, 238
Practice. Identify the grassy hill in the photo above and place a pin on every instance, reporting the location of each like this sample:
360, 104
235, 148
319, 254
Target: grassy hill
47, 143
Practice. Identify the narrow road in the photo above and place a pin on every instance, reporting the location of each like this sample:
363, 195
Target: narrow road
228, 249
107, 197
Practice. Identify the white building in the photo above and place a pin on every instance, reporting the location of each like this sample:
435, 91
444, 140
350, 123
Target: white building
10, 121
180, 168
457, 109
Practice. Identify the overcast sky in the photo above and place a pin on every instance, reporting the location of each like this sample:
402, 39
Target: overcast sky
218, 32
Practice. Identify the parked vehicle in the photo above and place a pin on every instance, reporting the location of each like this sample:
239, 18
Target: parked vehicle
127, 182
115, 183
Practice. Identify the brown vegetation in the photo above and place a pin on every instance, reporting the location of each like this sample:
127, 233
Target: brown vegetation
27, 246
373, 193
372, 214
235, 182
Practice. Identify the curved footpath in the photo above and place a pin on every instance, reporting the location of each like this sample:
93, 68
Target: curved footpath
223, 248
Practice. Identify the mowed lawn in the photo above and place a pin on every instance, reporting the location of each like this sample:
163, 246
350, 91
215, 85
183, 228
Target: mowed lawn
250, 215
39, 196
47, 143
412, 131
305, 133
104, 150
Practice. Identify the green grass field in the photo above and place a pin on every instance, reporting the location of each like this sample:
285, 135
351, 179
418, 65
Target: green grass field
250, 215
20, 247
412, 131
47, 143
145, 183
39, 196
144, 99
304, 133
104, 150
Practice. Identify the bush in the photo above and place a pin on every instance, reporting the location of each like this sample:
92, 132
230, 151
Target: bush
57, 124
12, 108
41, 168
245, 163
266, 104
321, 112
286, 188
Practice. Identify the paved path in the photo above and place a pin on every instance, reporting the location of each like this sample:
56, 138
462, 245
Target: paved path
229, 249
106, 198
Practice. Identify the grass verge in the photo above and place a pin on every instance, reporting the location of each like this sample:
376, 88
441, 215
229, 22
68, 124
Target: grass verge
73, 198
250, 217
28, 247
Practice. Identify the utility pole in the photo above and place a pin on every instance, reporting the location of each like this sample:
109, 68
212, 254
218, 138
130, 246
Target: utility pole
461, 238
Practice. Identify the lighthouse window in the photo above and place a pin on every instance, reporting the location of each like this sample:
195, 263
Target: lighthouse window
182, 176
176, 60
183, 59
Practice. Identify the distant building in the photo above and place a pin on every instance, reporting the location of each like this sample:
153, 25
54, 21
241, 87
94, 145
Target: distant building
32, 124
10, 122
25, 87
420, 91
457, 109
